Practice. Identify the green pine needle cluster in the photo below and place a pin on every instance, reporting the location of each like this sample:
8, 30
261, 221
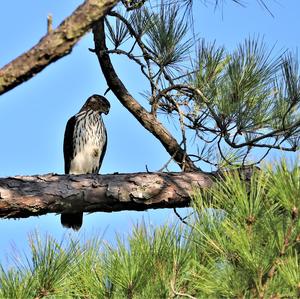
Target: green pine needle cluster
166, 37
243, 88
242, 242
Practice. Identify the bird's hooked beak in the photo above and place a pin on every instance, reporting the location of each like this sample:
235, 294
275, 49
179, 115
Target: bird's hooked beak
106, 112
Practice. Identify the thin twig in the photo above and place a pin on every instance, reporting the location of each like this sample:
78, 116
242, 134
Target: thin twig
131, 57
146, 51
169, 161
49, 23
178, 293
179, 216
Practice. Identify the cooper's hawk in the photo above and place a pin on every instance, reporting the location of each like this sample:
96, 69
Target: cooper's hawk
85, 143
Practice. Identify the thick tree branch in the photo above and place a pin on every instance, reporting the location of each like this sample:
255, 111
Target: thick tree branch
147, 120
54, 45
25, 196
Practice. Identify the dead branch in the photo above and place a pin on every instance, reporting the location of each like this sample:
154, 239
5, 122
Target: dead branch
56, 44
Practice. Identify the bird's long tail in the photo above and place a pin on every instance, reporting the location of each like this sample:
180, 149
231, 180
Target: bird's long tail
71, 220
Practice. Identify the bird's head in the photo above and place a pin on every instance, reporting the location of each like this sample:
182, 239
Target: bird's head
97, 103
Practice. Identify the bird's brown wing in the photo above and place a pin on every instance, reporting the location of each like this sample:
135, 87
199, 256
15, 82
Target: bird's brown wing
68, 143
103, 150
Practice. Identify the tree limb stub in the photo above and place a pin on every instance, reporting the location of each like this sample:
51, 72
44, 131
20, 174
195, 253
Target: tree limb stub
24, 196
54, 45
146, 119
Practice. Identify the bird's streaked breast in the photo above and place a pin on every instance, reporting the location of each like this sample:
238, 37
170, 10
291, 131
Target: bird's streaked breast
88, 142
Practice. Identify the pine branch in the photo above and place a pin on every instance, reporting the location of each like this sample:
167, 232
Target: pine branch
147, 120
24, 196
54, 45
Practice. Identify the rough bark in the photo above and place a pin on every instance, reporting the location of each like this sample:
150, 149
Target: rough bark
146, 119
25, 196
54, 45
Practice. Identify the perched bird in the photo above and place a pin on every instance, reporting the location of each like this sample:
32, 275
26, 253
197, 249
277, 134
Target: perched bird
85, 143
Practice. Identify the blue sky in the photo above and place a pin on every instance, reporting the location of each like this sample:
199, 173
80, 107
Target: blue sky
33, 115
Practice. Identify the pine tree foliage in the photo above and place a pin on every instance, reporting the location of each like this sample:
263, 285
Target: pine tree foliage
254, 238
243, 101
242, 242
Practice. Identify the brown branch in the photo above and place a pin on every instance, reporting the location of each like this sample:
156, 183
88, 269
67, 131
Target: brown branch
56, 44
147, 120
25, 196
